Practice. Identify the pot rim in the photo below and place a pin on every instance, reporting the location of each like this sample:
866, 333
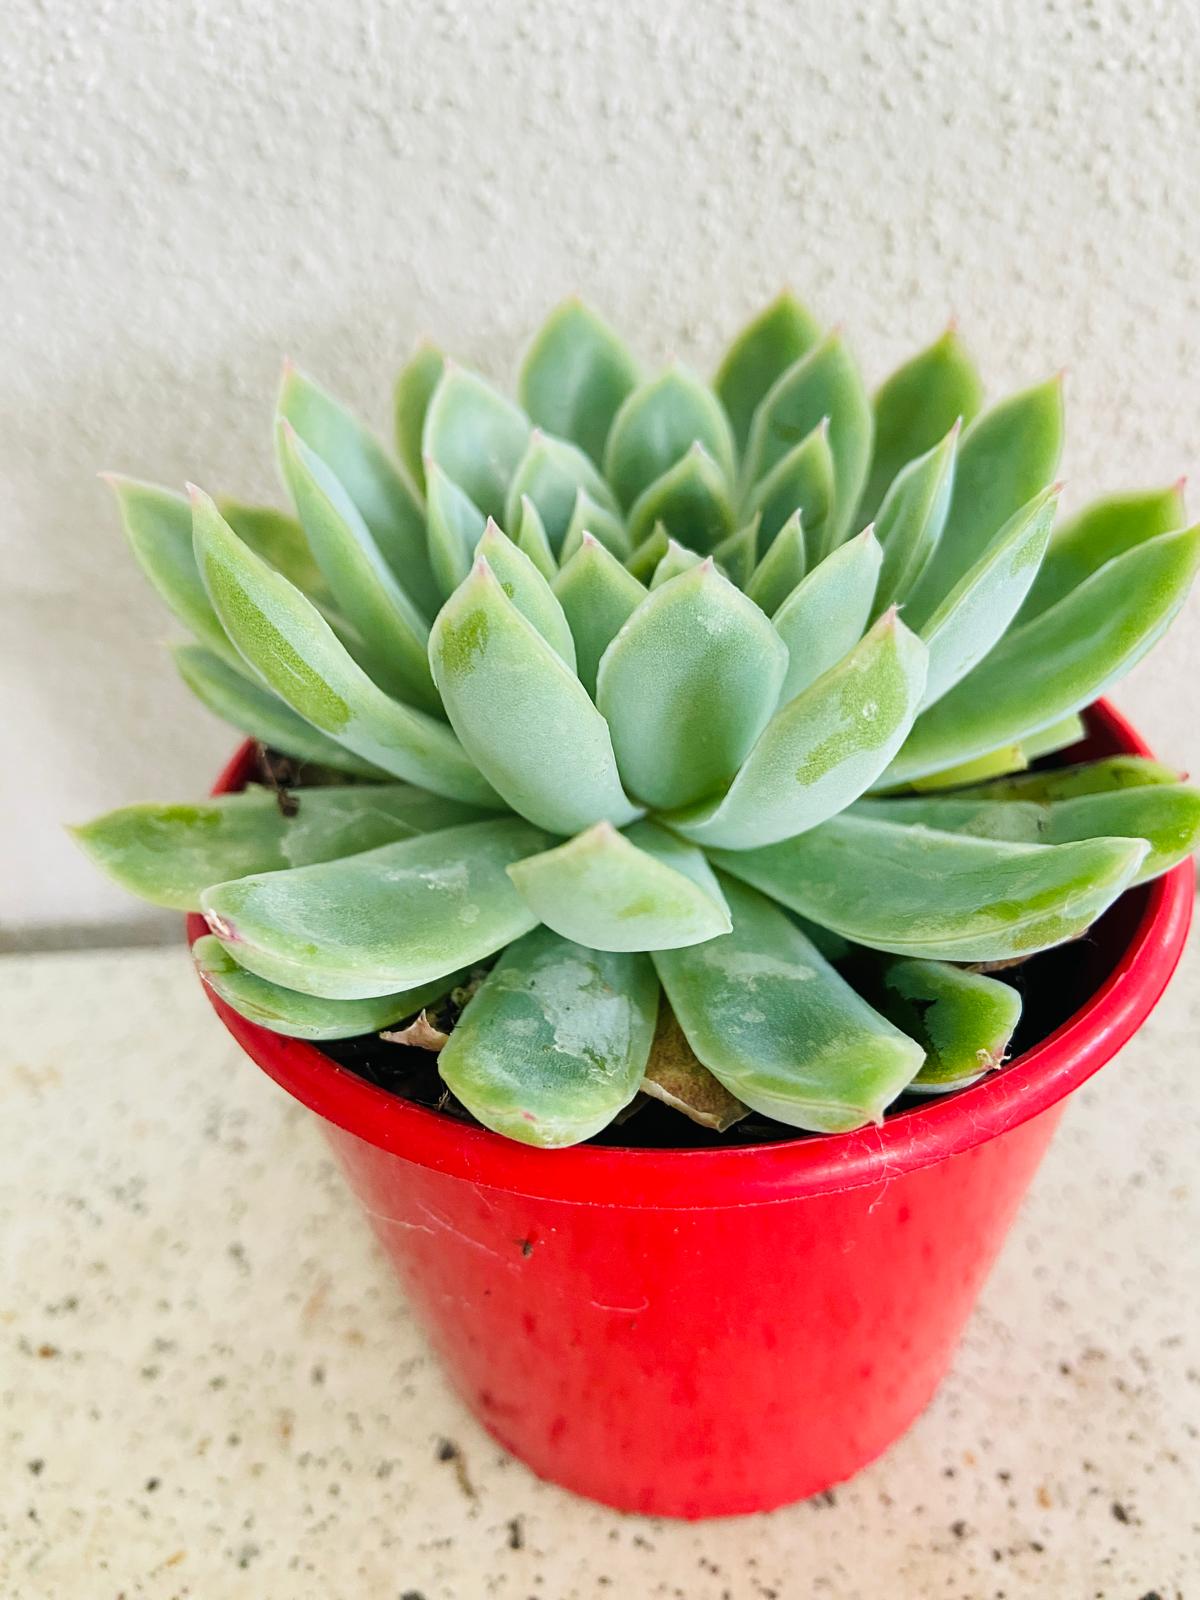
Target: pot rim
739, 1175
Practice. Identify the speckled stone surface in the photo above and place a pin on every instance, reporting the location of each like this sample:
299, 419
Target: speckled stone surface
210, 1387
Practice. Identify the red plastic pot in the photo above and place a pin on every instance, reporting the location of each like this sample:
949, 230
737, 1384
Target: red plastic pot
693, 1333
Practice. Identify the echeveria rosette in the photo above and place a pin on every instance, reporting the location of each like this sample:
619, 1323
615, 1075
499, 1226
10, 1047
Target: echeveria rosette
696, 715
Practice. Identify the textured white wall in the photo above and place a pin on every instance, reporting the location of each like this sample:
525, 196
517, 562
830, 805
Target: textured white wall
191, 189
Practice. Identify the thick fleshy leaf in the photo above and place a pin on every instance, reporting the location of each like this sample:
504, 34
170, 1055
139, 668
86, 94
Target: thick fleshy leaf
691, 500
523, 716
1004, 459
917, 892
476, 436
779, 572
977, 611
1007, 758
826, 615
678, 558
255, 710
598, 597
169, 854
641, 890
387, 502
304, 1016
158, 524
575, 375
532, 540
801, 481
528, 590
1101, 531
293, 648
1067, 783
737, 555
419, 377
768, 1015
824, 383
659, 423
590, 517
1167, 816
552, 472
392, 631
962, 1020
676, 1076
823, 749
554, 1042
911, 519
917, 406
764, 349
687, 686
1063, 659
280, 541
382, 920
643, 562
455, 527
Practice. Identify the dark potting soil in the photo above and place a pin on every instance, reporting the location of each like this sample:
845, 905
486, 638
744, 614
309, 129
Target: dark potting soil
1053, 986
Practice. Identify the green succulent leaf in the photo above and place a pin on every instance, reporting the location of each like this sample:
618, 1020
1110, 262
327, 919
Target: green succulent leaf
691, 500
554, 1042
824, 383
476, 436
1044, 669
387, 502
1005, 458
528, 590
419, 377
941, 895
382, 920
1006, 758
779, 572
169, 854
590, 517
531, 540
802, 481
687, 686
736, 556
293, 648
158, 524
977, 611
552, 472
917, 406
575, 376
826, 615
1067, 783
823, 748
763, 351
677, 1077
279, 540
456, 526
598, 596
643, 562
256, 711
911, 519
393, 632
659, 423
769, 1017
962, 1020
1101, 531
305, 1016
641, 890
521, 713
677, 559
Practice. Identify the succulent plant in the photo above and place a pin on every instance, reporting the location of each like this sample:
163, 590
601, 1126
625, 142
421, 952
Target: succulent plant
686, 725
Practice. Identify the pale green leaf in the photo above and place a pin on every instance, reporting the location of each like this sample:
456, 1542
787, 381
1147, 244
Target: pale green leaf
764, 349
1067, 783
521, 713
382, 920
293, 648
691, 500
911, 519
531, 539
962, 1020
801, 481
643, 562
419, 377
552, 472
598, 597
917, 406
658, 424
767, 1014
386, 500
476, 436
780, 571
455, 527
823, 749
528, 590
641, 890
917, 892
687, 686
554, 1042
279, 540
736, 556
826, 615
575, 375
590, 517
676, 560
